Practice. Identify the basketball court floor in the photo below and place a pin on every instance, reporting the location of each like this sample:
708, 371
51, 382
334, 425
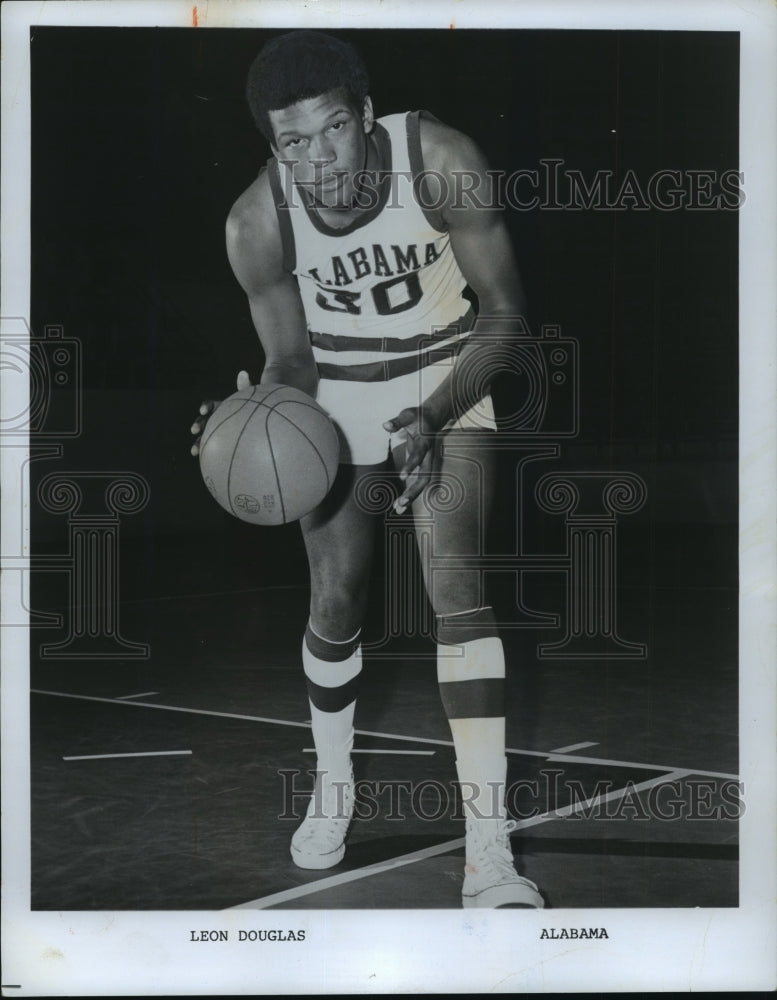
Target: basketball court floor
176, 781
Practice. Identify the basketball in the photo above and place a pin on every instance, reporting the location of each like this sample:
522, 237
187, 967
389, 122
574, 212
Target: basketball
269, 454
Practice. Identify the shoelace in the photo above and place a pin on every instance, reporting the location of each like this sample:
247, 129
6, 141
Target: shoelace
490, 854
499, 835
495, 850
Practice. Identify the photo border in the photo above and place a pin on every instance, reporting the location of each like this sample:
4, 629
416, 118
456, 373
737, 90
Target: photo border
149, 953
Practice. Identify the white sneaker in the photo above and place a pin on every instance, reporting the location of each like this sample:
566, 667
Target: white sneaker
490, 878
319, 841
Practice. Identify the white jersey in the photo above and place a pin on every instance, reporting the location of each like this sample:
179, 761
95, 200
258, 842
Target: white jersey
383, 296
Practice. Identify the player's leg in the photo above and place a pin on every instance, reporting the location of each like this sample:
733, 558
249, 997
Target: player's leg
451, 523
451, 520
338, 538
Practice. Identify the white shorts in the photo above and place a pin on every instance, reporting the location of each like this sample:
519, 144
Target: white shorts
359, 410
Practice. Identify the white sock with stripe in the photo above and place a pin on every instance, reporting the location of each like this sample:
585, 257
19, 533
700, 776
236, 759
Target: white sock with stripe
471, 675
331, 672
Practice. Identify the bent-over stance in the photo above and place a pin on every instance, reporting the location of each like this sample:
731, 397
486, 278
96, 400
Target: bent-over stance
355, 249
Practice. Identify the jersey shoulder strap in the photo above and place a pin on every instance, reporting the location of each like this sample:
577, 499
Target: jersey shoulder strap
282, 213
429, 192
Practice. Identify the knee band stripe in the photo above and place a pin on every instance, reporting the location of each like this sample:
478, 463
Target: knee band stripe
480, 699
328, 699
480, 623
331, 652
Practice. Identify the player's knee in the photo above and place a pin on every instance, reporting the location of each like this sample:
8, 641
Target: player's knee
453, 596
337, 610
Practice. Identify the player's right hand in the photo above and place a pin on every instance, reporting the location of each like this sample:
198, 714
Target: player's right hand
207, 407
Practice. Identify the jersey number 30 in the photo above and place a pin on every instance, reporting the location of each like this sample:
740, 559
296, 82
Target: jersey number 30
388, 297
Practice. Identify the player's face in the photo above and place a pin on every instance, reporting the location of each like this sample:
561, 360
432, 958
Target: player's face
325, 140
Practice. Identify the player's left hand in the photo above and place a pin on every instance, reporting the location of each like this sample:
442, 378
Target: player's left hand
416, 471
207, 408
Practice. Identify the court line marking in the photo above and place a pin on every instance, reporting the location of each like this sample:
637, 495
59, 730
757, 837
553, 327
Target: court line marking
358, 873
576, 758
420, 753
310, 888
544, 754
140, 753
573, 746
143, 694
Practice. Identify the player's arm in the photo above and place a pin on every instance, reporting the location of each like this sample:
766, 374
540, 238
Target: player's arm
482, 248
483, 251
256, 255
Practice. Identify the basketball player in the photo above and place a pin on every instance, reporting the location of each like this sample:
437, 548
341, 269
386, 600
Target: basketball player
354, 247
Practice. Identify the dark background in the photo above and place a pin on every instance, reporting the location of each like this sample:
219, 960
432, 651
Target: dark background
141, 141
